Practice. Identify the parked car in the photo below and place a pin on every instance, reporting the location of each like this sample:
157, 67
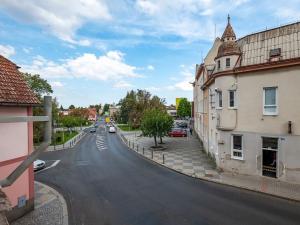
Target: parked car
112, 129
38, 164
177, 132
93, 130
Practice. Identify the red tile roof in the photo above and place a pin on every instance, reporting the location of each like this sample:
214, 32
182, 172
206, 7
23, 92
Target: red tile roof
13, 87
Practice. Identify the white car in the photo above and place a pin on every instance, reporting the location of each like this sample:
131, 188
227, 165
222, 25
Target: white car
112, 129
38, 164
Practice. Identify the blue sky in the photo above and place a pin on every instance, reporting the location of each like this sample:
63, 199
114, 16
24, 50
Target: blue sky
94, 51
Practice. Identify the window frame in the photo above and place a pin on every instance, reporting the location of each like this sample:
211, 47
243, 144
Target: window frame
218, 100
237, 150
265, 113
219, 64
234, 99
227, 60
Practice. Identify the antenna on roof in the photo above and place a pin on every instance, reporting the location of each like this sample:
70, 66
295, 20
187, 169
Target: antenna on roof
215, 31
228, 18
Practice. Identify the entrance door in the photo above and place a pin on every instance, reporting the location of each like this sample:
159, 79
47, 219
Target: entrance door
269, 159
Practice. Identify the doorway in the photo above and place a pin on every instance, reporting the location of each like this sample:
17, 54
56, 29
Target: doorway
270, 157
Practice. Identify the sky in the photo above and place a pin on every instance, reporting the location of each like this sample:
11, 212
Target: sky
94, 51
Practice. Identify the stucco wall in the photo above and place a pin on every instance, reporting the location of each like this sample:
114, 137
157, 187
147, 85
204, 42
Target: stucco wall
250, 101
288, 155
13, 136
14, 147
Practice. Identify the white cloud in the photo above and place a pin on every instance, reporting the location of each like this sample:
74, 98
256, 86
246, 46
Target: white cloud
150, 67
185, 79
152, 89
110, 66
56, 84
7, 50
61, 18
122, 84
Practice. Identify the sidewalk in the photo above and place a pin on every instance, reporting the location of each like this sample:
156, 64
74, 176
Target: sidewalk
186, 155
68, 144
50, 208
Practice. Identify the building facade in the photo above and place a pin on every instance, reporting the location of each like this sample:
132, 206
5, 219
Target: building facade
16, 139
250, 90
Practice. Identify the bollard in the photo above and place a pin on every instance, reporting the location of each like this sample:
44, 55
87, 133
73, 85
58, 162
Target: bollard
70, 144
143, 150
63, 145
152, 154
129, 143
163, 158
137, 148
133, 145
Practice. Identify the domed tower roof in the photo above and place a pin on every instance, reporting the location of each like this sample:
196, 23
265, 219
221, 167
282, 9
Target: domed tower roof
229, 45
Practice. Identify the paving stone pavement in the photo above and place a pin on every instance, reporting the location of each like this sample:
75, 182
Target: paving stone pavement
50, 208
183, 154
186, 155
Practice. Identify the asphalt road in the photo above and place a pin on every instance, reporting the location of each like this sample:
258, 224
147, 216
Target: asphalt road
105, 183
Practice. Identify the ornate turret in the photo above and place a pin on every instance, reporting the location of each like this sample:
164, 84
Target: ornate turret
229, 45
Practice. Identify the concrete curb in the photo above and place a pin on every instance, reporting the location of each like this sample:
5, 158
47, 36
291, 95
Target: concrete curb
208, 179
61, 199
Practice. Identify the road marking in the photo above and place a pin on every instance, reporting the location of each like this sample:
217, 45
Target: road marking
46, 168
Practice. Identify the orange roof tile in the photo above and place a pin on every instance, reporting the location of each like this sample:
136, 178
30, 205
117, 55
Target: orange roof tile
13, 87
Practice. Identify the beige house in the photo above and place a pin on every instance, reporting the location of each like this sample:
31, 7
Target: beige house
249, 92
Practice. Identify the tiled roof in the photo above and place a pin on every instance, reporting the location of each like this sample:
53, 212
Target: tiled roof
13, 87
228, 33
228, 48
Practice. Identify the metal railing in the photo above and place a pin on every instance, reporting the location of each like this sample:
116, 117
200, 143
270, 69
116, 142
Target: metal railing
13, 176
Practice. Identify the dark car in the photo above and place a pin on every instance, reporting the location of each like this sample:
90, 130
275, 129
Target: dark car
93, 130
177, 132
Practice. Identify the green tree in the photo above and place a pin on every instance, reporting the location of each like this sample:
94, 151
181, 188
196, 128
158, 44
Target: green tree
72, 107
38, 85
184, 108
105, 108
156, 123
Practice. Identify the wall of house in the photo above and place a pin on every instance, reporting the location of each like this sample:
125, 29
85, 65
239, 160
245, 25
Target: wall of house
15, 145
287, 161
250, 101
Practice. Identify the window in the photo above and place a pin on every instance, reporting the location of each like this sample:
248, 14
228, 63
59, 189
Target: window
237, 146
220, 102
232, 97
270, 101
219, 64
227, 62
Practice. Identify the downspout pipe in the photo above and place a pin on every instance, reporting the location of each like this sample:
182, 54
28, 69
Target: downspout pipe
35, 154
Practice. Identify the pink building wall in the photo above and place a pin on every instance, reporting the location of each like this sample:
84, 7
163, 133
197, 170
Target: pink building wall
16, 142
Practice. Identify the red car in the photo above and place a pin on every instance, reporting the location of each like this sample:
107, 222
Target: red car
177, 132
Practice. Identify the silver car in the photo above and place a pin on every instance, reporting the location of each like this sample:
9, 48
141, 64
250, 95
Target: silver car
38, 164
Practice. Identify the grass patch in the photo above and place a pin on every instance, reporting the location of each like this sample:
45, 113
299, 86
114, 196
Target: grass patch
62, 137
126, 127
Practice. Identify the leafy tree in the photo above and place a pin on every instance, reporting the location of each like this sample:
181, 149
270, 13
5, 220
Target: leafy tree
39, 85
135, 103
184, 108
72, 107
61, 108
156, 123
105, 108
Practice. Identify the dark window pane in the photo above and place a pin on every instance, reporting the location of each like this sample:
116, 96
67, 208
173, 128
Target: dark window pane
237, 142
270, 143
227, 62
270, 96
237, 154
231, 98
220, 99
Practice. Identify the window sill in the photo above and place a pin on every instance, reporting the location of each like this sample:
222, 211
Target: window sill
234, 108
219, 108
239, 159
264, 114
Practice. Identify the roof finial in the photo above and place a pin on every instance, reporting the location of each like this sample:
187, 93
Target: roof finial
228, 18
